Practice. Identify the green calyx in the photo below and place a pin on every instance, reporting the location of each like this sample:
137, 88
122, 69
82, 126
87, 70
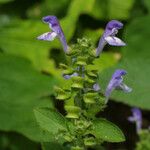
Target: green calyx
90, 98
90, 141
61, 94
81, 61
77, 82
72, 111
89, 80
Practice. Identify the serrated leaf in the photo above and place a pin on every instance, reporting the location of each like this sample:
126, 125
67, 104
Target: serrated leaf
50, 120
107, 131
21, 90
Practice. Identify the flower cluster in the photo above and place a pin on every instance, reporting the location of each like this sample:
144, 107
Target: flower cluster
82, 96
109, 36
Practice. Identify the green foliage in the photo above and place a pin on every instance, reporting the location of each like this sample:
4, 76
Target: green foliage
50, 120
5, 1
21, 90
13, 141
143, 143
110, 9
136, 61
147, 4
76, 8
105, 61
107, 131
55, 146
22, 42
48, 6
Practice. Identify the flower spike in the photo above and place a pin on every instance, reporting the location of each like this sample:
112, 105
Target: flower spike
109, 36
56, 31
116, 82
137, 118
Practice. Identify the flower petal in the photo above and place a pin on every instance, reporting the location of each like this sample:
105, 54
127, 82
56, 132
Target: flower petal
131, 119
64, 43
137, 118
96, 87
114, 41
125, 88
116, 82
48, 36
54, 25
101, 45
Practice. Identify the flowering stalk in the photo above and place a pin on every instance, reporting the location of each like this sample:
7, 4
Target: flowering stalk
81, 92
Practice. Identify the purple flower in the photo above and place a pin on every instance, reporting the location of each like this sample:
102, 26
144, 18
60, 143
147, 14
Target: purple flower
69, 76
137, 118
56, 31
96, 87
109, 36
116, 82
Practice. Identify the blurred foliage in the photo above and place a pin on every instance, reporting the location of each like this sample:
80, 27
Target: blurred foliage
48, 146
13, 141
143, 143
5, 1
109, 9
22, 89
23, 59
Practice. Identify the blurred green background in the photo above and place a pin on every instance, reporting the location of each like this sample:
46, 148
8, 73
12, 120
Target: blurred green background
29, 68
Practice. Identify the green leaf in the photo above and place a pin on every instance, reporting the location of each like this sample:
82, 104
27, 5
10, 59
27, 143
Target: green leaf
5, 1
50, 120
111, 9
136, 60
21, 90
107, 131
55, 146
